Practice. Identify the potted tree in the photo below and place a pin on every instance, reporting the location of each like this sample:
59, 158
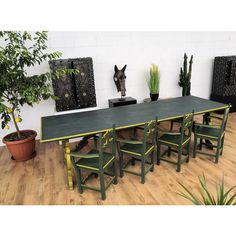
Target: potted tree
153, 82
19, 51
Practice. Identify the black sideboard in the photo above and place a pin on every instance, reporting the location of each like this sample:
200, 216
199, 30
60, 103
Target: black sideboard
116, 102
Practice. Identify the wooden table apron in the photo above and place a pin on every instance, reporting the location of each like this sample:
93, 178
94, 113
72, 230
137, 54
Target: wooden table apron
73, 125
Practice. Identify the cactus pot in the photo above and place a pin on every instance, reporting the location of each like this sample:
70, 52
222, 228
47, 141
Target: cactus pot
24, 149
154, 96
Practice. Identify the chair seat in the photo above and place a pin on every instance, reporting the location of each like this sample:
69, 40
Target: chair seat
172, 139
93, 163
208, 132
136, 149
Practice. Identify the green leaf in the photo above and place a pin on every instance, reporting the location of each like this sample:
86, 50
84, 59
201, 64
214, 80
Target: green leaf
153, 80
207, 197
203, 183
227, 193
190, 196
16, 55
230, 201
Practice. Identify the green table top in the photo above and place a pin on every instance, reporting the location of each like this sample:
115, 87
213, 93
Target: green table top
67, 126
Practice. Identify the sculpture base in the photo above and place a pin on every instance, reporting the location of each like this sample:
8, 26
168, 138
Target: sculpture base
116, 102
122, 99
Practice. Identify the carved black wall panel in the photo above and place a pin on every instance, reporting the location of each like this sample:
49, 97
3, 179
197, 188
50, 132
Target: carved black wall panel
224, 80
64, 87
75, 91
84, 82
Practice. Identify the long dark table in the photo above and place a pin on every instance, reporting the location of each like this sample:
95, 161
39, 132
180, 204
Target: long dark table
68, 126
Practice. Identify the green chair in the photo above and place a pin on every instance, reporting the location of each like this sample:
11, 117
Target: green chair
138, 150
215, 133
97, 161
176, 142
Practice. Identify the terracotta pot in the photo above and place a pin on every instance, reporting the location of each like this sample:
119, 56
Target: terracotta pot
21, 150
154, 96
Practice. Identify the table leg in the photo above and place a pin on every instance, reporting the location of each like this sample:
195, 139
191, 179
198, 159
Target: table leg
207, 121
68, 163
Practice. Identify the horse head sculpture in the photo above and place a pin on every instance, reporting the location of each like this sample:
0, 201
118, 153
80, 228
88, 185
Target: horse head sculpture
119, 79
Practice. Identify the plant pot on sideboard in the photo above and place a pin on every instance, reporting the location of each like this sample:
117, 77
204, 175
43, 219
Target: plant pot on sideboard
24, 149
154, 96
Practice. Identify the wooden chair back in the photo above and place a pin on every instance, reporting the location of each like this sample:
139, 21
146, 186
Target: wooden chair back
224, 120
150, 130
187, 124
107, 140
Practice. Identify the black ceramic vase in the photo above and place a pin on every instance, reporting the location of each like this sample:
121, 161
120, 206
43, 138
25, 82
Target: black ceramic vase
154, 96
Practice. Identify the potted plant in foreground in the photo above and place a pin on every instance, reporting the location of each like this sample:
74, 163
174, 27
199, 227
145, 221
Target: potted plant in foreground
19, 51
221, 197
153, 82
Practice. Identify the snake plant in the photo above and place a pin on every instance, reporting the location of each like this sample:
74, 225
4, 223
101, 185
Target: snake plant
221, 197
154, 79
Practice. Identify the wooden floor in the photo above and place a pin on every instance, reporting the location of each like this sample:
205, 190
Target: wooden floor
43, 179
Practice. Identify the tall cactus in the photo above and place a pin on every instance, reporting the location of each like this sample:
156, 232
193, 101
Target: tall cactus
185, 76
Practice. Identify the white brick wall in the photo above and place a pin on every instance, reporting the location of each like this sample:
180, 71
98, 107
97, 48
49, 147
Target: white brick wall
138, 50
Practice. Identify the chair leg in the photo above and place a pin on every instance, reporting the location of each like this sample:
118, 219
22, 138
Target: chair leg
102, 185
222, 145
218, 151
179, 159
200, 145
188, 152
115, 172
95, 142
79, 180
135, 134
195, 146
171, 125
169, 151
158, 154
133, 161
121, 165
152, 161
143, 170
